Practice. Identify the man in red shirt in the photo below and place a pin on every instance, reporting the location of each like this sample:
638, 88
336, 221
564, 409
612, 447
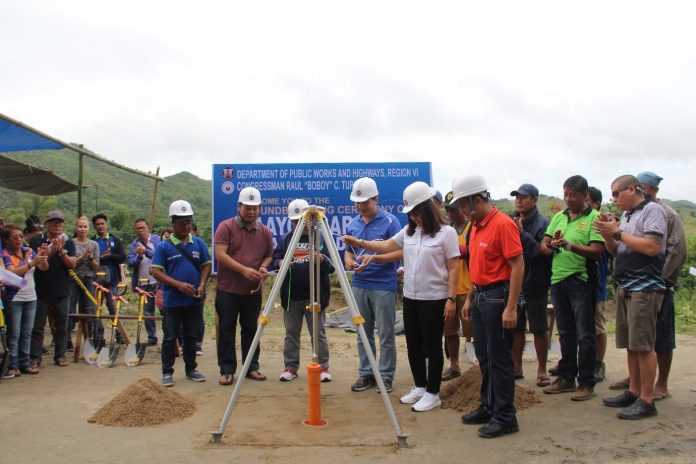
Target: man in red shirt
496, 268
243, 250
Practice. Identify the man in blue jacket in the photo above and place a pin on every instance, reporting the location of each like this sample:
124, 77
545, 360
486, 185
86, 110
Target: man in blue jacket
535, 283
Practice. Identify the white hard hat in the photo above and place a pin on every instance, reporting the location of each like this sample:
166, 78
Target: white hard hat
417, 193
180, 208
296, 207
250, 196
465, 186
363, 189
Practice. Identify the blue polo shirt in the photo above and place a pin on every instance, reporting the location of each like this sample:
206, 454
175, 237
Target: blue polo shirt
383, 226
168, 258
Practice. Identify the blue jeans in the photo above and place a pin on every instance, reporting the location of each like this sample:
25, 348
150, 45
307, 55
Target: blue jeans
493, 345
573, 305
20, 322
377, 307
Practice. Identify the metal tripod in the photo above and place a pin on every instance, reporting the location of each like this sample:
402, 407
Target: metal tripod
314, 215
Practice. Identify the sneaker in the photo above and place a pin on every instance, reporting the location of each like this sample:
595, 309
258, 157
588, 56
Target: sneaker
167, 380
288, 375
600, 372
495, 429
625, 399
199, 349
387, 385
478, 416
638, 410
363, 383
196, 376
560, 385
152, 342
413, 396
427, 402
582, 393
9, 374
325, 375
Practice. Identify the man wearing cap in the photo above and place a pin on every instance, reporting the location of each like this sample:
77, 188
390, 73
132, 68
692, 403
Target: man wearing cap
374, 283
638, 243
575, 247
462, 226
53, 289
496, 267
243, 250
665, 340
535, 284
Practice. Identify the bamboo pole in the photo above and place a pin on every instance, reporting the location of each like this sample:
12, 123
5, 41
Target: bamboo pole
154, 200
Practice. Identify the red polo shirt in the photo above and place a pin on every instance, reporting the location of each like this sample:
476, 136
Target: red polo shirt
493, 241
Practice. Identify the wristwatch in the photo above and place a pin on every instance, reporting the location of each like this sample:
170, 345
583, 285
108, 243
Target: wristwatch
452, 299
568, 246
617, 235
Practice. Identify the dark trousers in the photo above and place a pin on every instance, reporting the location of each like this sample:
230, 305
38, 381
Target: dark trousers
493, 345
574, 308
186, 316
230, 307
423, 326
79, 302
58, 308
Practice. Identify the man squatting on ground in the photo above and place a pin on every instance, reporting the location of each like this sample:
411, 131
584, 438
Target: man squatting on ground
497, 269
374, 282
181, 264
243, 251
638, 243
535, 284
295, 296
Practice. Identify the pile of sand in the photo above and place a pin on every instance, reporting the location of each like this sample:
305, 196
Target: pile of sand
462, 393
144, 403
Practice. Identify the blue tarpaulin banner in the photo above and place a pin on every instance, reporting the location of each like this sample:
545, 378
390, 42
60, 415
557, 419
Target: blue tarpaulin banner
322, 184
16, 138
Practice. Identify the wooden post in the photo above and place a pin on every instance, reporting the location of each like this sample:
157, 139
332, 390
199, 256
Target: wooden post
154, 201
80, 186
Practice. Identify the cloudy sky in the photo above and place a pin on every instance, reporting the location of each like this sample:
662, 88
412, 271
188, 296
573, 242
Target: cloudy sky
516, 91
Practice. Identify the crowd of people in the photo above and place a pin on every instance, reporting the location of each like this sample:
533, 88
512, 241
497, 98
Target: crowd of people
467, 268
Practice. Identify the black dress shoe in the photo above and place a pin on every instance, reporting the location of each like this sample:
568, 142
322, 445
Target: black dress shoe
477, 416
495, 429
621, 401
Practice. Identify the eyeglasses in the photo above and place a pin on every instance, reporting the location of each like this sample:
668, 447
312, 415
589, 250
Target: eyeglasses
16, 237
615, 193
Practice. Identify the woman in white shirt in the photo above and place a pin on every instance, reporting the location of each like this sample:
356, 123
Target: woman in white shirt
21, 303
431, 256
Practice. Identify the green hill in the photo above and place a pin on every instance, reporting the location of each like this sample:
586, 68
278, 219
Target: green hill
122, 195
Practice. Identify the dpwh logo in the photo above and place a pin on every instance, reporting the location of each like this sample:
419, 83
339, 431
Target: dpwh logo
227, 172
227, 187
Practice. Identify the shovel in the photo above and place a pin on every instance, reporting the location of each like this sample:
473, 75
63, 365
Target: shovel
106, 356
5, 360
94, 344
136, 352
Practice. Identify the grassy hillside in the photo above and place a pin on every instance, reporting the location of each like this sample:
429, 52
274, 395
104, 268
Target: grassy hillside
122, 195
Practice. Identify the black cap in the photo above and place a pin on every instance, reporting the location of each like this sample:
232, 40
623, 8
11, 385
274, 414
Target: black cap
526, 190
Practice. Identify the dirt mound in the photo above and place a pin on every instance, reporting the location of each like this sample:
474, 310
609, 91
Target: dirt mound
462, 393
144, 403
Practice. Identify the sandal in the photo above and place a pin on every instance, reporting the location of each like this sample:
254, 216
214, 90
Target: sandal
256, 375
31, 369
619, 385
62, 362
450, 374
543, 380
226, 379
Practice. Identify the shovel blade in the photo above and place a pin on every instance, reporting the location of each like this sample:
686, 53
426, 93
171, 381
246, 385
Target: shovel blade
130, 357
107, 356
554, 350
529, 352
89, 352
